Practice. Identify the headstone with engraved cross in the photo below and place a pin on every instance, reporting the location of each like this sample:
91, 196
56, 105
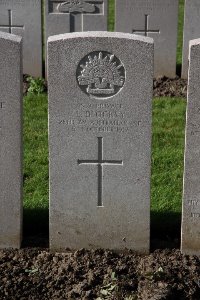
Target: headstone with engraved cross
23, 18
191, 30
157, 19
10, 140
190, 241
100, 90
75, 16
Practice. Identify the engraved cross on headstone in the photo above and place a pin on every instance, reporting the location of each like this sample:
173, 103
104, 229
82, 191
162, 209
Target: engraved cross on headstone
76, 9
10, 25
100, 162
146, 30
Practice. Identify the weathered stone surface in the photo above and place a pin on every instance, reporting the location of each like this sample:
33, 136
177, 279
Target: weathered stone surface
153, 18
100, 92
191, 30
10, 140
75, 16
23, 18
191, 193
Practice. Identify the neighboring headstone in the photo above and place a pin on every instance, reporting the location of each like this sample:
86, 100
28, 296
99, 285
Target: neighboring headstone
191, 193
100, 92
191, 30
153, 18
23, 18
10, 140
75, 16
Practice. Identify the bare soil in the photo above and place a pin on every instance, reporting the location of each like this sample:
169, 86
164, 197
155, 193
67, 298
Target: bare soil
37, 274
176, 87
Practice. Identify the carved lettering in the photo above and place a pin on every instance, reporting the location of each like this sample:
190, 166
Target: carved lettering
92, 117
109, 122
2, 105
101, 106
105, 129
109, 106
195, 215
194, 203
103, 114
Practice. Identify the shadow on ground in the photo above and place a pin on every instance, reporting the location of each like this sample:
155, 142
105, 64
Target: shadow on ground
165, 230
36, 228
178, 69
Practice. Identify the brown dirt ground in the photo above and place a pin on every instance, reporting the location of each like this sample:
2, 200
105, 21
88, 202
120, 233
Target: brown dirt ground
164, 86
37, 274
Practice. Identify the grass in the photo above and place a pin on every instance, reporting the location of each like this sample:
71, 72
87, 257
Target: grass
167, 166
111, 16
35, 163
167, 162
167, 154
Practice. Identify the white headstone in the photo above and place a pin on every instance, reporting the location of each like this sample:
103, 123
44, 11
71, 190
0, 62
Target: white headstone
191, 193
157, 19
191, 30
75, 16
100, 94
10, 140
23, 18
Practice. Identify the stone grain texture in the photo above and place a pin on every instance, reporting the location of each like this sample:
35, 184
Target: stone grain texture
23, 18
191, 193
191, 30
157, 19
100, 97
10, 140
69, 16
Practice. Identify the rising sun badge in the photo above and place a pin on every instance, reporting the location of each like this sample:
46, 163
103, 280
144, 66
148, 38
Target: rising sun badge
101, 74
81, 6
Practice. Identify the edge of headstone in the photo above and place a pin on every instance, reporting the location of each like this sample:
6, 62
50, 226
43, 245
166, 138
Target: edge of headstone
186, 250
10, 37
97, 34
194, 42
19, 41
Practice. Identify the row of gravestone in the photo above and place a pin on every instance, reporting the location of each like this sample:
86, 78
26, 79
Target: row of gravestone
154, 18
100, 98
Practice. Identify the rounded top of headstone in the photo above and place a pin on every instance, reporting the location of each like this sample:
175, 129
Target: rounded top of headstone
194, 42
100, 34
10, 37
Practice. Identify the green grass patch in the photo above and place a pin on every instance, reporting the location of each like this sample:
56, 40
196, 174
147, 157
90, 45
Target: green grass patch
111, 15
35, 164
167, 163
